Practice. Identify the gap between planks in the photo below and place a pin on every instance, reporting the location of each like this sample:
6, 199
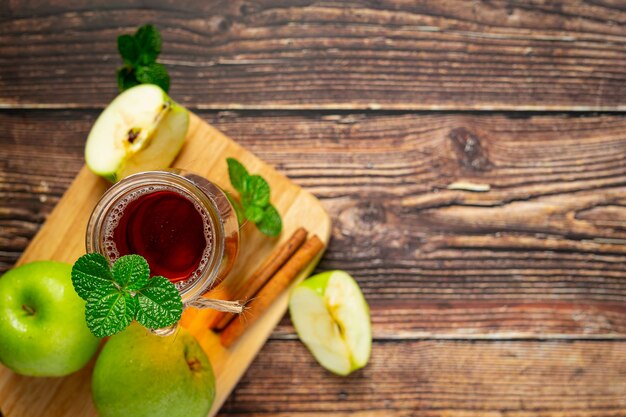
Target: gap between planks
495, 337
349, 107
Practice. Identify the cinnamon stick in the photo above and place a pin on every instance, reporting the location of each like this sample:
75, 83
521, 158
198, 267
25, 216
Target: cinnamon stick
253, 284
275, 287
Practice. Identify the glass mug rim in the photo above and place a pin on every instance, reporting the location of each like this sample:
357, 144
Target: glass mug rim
221, 214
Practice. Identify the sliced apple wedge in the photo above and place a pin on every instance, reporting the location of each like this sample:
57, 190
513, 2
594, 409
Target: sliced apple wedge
332, 319
141, 130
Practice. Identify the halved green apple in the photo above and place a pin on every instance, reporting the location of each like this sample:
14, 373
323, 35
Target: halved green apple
332, 319
141, 130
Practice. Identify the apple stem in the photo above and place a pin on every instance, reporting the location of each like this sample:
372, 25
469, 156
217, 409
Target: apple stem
193, 364
28, 309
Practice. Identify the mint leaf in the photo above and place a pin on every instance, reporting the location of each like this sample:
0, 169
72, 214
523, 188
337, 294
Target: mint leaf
255, 199
237, 173
158, 303
139, 53
117, 296
149, 41
126, 79
270, 224
154, 74
89, 273
109, 311
131, 272
128, 49
256, 192
254, 213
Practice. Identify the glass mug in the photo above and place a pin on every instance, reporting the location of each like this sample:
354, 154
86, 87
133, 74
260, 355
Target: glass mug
183, 224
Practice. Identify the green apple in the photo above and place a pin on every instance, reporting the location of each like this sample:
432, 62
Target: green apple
332, 319
141, 374
42, 321
141, 130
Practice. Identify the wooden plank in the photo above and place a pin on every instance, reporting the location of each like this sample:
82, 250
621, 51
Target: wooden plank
432, 378
62, 238
539, 255
392, 54
435, 378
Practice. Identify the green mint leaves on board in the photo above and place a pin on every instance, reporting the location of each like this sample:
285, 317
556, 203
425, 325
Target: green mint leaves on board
115, 296
255, 203
139, 53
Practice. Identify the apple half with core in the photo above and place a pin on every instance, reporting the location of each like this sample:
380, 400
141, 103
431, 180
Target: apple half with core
332, 319
140, 374
141, 130
42, 321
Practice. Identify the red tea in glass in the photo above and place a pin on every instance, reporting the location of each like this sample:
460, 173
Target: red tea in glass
166, 228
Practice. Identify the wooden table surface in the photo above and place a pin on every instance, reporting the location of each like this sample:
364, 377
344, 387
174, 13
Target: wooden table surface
507, 302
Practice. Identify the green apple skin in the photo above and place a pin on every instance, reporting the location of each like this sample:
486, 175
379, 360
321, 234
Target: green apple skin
159, 125
332, 319
141, 374
42, 321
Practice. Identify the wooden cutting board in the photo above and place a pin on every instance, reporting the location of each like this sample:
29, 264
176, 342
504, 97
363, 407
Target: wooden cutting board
62, 238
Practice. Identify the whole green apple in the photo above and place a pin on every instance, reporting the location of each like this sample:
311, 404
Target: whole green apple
42, 321
141, 374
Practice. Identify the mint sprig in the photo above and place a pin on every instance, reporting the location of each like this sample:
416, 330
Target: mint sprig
139, 53
115, 296
255, 203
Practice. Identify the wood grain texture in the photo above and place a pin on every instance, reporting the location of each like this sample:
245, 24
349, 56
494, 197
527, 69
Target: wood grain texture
62, 238
391, 54
426, 378
440, 378
540, 255
504, 303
